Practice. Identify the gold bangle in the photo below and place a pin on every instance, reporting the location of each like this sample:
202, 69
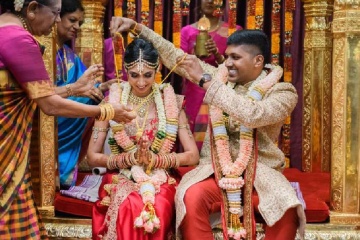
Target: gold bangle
183, 126
68, 90
134, 28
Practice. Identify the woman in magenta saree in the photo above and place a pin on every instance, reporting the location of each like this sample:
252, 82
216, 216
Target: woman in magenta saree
18, 88
137, 202
196, 111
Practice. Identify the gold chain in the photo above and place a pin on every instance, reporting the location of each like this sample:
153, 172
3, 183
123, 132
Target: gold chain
23, 22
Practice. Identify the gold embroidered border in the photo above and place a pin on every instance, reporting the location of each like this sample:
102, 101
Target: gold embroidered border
40, 89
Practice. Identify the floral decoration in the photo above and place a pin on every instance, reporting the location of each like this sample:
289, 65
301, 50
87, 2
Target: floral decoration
232, 181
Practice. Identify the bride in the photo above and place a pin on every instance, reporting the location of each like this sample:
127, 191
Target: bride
137, 198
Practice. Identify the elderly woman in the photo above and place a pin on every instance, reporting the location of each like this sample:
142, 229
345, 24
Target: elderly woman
142, 195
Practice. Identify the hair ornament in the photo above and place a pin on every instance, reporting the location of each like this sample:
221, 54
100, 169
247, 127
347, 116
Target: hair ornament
141, 62
18, 5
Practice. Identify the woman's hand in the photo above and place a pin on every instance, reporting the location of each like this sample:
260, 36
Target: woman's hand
105, 86
121, 24
123, 114
211, 47
143, 152
85, 85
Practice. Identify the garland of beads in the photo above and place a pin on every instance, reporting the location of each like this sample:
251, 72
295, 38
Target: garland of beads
232, 180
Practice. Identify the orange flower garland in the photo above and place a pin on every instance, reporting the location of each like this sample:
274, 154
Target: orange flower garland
232, 16
158, 28
177, 23
255, 14
131, 13
275, 32
145, 7
118, 41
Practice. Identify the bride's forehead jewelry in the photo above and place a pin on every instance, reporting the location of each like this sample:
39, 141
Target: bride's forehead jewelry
141, 62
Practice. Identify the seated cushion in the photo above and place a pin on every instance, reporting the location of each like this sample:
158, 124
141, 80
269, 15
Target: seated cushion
73, 206
315, 188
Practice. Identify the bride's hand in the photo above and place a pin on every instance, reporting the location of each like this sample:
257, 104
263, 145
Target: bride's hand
143, 151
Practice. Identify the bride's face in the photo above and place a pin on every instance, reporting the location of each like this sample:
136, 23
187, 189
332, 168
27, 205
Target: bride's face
141, 82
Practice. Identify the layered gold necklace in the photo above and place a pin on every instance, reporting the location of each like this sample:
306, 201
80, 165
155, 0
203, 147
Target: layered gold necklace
141, 103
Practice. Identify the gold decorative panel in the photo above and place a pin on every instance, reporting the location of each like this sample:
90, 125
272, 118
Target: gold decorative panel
90, 41
345, 165
44, 143
317, 87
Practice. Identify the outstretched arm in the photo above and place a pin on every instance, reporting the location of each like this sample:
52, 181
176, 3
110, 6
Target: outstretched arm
169, 54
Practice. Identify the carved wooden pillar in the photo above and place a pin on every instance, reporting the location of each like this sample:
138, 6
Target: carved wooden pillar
317, 86
43, 153
345, 165
90, 41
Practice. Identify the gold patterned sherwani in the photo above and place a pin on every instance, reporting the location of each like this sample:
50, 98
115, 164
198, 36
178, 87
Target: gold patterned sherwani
275, 192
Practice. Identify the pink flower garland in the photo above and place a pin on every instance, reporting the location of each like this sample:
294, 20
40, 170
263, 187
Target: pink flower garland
232, 170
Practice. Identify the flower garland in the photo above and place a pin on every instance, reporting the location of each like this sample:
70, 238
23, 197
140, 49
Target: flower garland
232, 16
177, 17
158, 28
232, 180
255, 14
285, 131
118, 44
275, 32
145, 7
131, 13
149, 185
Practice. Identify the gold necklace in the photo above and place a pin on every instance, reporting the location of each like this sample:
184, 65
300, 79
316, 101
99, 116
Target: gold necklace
141, 102
23, 22
64, 64
140, 130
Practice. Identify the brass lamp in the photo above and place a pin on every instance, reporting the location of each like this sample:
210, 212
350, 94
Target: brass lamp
203, 26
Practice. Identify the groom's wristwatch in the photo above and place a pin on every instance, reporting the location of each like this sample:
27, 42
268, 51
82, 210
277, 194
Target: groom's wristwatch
205, 78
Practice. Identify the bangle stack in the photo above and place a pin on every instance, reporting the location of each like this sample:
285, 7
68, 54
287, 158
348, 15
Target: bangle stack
107, 112
166, 161
121, 161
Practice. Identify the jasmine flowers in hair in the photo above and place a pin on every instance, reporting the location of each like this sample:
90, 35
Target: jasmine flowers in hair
18, 4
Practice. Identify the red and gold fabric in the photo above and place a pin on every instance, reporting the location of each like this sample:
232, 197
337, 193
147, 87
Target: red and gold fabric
23, 77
